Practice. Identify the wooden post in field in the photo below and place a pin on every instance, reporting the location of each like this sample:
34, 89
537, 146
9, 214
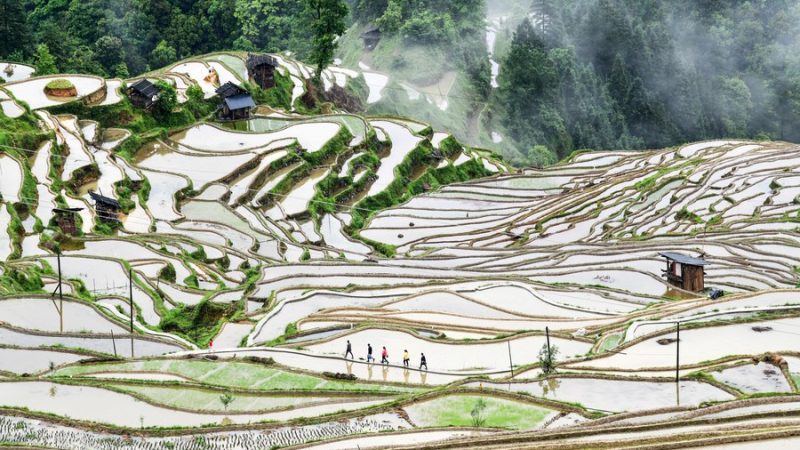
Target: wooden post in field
677, 350
60, 294
130, 297
510, 362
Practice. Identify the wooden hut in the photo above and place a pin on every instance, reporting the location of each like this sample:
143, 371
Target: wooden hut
143, 94
261, 68
685, 272
236, 102
371, 37
65, 219
107, 209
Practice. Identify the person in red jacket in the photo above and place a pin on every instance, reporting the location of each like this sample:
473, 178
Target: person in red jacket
385, 356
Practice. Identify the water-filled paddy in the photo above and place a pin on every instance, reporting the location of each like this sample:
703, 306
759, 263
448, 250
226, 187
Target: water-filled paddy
403, 141
162, 194
297, 200
198, 72
702, 344
110, 278
310, 135
87, 404
252, 376
41, 314
11, 108
10, 178
450, 357
615, 394
752, 378
22, 361
201, 170
15, 72
476, 254
209, 400
6, 244
32, 90
375, 82
101, 344
112, 92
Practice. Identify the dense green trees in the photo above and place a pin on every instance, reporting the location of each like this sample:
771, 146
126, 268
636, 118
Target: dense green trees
648, 74
580, 74
327, 22
167, 99
426, 21
444, 27
44, 62
550, 99
13, 26
271, 25
118, 37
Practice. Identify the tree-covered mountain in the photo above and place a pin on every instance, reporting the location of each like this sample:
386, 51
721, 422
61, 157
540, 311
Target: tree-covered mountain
455, 29
647, 74
574, 74
121, 37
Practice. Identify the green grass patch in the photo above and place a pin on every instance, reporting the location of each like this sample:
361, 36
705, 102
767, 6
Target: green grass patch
233, 374
60, 84
649, 183
456, 411
211, 400
16, 280
22, 132
685, 214
610, 343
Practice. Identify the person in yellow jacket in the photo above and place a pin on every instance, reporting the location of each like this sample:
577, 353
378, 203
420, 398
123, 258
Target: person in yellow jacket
406, 358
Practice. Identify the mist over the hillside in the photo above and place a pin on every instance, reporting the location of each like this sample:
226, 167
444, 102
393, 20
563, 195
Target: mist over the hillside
646, 74
580, 74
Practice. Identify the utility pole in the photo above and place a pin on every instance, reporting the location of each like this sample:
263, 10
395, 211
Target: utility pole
114, 342
60, 307
677, 350
130, 298
549, 355
60, 294
510, 362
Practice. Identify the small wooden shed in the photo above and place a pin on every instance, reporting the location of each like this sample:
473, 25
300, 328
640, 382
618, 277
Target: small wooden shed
236, 102
107, 209
261, 68
685, 272
371, 37
65, 219
143, 94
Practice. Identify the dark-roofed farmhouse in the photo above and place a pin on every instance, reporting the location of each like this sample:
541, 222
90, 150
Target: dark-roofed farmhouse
684, 271
143, 93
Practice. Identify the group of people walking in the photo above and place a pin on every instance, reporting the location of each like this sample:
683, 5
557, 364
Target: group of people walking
423, 362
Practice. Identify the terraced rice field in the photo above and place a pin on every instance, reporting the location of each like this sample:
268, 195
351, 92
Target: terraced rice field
217, 313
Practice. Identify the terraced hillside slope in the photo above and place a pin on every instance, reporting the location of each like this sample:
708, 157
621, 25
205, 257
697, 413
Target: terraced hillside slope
217, 312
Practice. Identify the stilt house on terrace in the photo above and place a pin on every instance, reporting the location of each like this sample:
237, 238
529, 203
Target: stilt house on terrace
236, 102
261, 68
371, 37
107, 209
65, 219
143, 94
685, 272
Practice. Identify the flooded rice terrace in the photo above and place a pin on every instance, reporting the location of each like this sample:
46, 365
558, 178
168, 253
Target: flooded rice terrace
248, 275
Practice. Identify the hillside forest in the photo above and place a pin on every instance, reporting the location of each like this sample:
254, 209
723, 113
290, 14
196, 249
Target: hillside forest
575, 74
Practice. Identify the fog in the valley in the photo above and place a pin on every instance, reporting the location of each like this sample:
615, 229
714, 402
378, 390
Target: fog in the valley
647, 73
